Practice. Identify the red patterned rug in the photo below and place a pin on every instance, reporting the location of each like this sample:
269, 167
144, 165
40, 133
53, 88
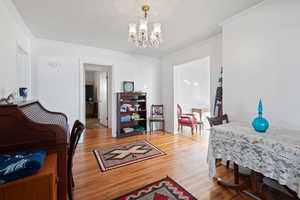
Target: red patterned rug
125, 154
165, 189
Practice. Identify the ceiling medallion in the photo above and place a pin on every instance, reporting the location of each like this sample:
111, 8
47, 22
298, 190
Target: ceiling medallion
141, 37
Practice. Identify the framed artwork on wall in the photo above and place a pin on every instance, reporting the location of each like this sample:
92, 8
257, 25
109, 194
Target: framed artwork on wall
128, 86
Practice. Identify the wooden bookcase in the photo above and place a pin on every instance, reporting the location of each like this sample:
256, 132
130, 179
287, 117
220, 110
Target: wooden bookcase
131, 113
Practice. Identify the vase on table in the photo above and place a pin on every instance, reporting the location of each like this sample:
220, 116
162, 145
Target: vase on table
260, 124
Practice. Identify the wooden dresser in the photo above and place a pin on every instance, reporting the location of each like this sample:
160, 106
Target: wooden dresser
40, 186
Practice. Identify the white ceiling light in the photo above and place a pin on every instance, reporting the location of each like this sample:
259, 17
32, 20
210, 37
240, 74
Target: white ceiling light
141, 37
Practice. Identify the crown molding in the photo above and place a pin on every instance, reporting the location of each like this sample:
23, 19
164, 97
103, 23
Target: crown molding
17, 17
243, 13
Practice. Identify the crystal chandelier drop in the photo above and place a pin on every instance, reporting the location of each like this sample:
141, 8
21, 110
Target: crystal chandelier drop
140, 37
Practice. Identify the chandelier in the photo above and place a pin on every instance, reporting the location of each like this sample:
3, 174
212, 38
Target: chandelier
140, 37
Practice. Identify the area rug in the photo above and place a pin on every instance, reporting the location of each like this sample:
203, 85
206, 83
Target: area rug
125, 154
164, 189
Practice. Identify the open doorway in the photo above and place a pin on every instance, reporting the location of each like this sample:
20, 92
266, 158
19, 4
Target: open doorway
192, 90
96, 96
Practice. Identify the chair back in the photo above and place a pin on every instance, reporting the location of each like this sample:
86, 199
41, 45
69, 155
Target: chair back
76, 133
199, 112
157, 111
214, 121
179, 111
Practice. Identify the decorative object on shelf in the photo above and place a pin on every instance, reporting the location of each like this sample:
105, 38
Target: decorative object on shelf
141, 37
137, 107
135, 97
135, 116
126, 118
23, 92
128, 130
125, 107
128, 86
139, 128
260, 124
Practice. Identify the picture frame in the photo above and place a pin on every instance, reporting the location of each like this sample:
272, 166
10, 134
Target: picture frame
128, 86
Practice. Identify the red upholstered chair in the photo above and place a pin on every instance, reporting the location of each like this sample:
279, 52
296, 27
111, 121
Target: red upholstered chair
186, 119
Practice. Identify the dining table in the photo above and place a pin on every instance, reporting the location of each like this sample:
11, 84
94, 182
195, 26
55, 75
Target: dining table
274, 154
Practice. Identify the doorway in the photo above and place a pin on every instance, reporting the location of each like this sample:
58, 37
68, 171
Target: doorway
192, 89
96, 94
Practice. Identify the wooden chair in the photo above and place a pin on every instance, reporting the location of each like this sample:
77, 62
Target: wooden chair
157, 115
199, 119
76, 132
214, 121
186, 119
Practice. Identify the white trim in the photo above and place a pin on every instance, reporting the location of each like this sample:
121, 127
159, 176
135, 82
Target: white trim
243, 13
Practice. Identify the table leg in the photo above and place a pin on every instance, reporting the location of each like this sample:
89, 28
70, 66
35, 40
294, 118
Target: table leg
236, 185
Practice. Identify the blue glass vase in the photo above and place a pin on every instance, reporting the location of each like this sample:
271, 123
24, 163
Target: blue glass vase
260, 124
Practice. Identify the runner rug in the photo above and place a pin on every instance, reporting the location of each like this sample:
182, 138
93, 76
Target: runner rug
165, 189
125, 154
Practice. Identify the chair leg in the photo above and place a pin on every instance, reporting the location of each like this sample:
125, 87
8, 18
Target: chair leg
73, 182
236, 173
227, 164
265, 193
70, 189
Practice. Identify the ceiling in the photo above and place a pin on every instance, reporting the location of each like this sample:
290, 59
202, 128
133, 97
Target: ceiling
104, 23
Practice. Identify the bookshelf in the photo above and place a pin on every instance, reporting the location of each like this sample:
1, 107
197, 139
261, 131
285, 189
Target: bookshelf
131, 113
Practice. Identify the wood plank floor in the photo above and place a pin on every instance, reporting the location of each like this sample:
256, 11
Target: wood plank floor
185, 162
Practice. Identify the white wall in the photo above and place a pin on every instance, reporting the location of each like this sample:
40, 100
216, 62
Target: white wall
192, 85
210, 48
56, 75
261, 60
13, 33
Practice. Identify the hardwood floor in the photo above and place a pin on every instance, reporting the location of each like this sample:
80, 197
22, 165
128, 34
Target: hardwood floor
93, 123
185, 162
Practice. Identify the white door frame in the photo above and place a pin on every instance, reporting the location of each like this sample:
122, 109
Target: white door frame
99, 65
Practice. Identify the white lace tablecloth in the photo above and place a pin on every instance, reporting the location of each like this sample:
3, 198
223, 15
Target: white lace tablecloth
275, 154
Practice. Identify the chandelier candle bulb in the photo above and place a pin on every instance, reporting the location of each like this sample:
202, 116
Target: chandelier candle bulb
157, 28
143, 25
132, 29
